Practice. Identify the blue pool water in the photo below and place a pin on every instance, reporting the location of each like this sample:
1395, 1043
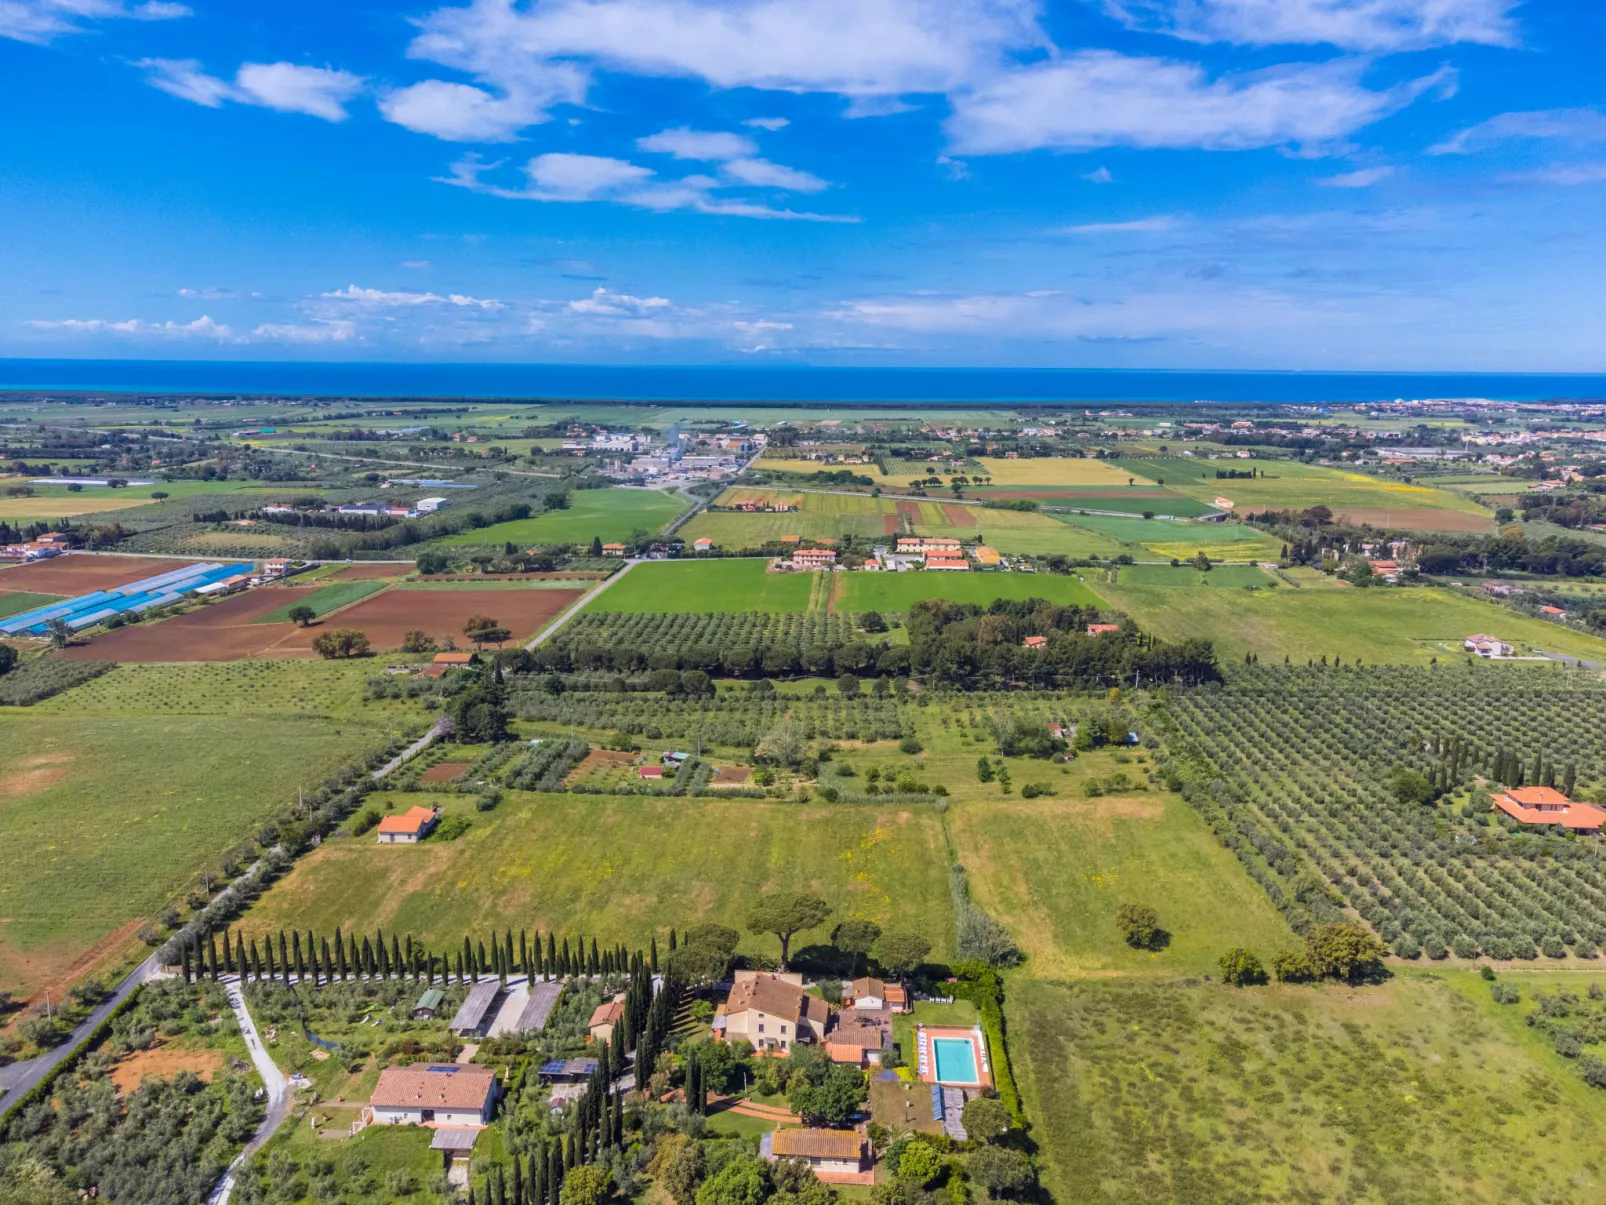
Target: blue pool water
956, 1061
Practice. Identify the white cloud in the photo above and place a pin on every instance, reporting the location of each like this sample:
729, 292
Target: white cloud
207, 294
1364, 178
41, 21
1565, 174
1156, 225
463, 113
202, 328
610, 304
861, 49
287, 87
1568, 125
570, 177
416, 263
761, 173
705, 145
767, 123
317, 331
1370, 25
380, 299
1099, 175
1099, 98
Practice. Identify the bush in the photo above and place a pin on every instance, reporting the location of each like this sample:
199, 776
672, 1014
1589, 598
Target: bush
1291, 966
341, 642
1035, 790
366, 819
1241, 968
1405, 947
1139, 925
910, 745
1464, 947
451, 828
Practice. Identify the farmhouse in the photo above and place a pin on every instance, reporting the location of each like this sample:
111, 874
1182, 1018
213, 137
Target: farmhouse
702, 544
858, 1041
1034, 642
813, 558
1546, 805
613, 550
650, 771
455, 660
603, 1019
433, 1094
1100, 629
1555, 613
988, 556
941, 545
772, 1014
836, 1156
956, 563
409, 828
1486, 646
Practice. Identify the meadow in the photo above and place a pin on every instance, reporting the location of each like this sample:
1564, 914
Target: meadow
624, 867
1402, 1094
1130, 500
609, 515
1290, 485
1228, 541
117, 793
1057, 869
705, 586
1376, 624
17, 601
1187, 575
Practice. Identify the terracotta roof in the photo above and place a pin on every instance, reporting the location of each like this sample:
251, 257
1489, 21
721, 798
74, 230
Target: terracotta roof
817, 1144
1546, 805
867, 987
780, 999
866, 1035
1035, 642
433, 1086
606, 1014
454, 658
412, 820
1098, 629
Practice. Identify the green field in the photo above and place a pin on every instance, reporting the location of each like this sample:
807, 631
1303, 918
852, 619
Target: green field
15, 602
1125, 500
899, 591
1186, 575
1290, 485
1230, 541
330, 598
1409, 625
1056, 470
621, 868
1057, 869
1195, 1092
116, 794
609, 515
703, 586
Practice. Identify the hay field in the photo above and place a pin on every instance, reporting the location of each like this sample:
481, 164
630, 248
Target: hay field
704, 586
610, 515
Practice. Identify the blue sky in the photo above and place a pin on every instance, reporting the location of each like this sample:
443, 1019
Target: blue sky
1336, 184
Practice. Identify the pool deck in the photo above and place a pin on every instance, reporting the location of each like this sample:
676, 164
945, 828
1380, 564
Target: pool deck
926, 1055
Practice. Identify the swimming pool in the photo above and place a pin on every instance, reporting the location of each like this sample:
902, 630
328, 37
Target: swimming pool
956, 1061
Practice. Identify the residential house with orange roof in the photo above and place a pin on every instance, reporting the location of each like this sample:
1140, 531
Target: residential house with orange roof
409, 828
1100, 629
1546, 805
836, 1156
432, 1094
772, 1014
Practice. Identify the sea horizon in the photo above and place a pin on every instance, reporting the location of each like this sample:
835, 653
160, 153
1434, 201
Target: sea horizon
719, 384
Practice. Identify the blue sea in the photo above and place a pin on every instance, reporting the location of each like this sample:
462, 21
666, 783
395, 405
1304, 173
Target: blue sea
599, 382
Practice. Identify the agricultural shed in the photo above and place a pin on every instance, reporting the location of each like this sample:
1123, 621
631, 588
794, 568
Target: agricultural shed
428, 1004
471, 1018
543, 997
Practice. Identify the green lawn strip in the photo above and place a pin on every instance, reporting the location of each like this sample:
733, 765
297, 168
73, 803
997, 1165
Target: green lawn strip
1056, 870
1190, 1090
610, 515
1187, 575
424, 583
1289, 485
15, 602
1387, 624
899, 591
705, 586
1131, 500
621, 868
1162, 531
328, 598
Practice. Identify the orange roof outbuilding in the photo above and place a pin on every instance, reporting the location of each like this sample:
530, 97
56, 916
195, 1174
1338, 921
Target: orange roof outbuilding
1546, 805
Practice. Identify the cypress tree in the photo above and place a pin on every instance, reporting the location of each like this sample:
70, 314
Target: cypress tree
551, 955
184, 963
495, 1178
1569, 780
564, 968
301, 966
328, 962
267, 947
396, 956
468, 955
524, 959
481, 965
284, 952
211, 957
554, 1172
340, 954
671, 940
518, 1181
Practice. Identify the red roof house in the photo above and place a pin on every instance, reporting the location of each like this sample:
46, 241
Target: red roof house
1546, 805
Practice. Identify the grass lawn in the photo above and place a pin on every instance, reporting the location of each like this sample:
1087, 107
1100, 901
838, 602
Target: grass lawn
900, 591
1056, 870
610, 515
1056, 470
1186, 575
961, 1014
1289, 485
1232, 540
702, 586
15, 602
1410, 625
330, 598
117, 793
1406, 1092
1132, 500
622, 868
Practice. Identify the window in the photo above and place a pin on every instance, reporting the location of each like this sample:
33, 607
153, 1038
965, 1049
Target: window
761, 1027
783, 1030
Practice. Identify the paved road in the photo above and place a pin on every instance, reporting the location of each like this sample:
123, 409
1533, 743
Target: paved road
580, 603
273, 1080
17, 1079
440, 728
